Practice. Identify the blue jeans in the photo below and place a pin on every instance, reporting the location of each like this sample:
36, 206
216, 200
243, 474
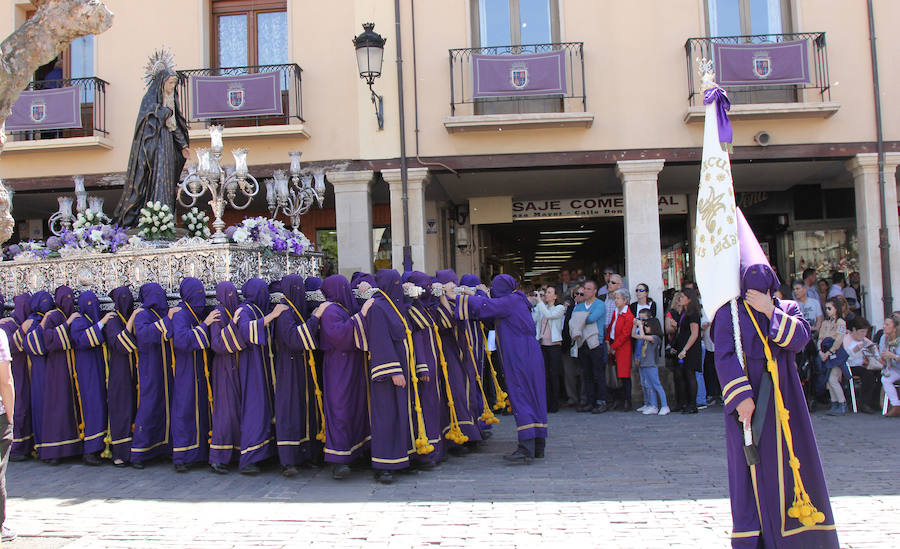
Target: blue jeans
653, 389
701, 383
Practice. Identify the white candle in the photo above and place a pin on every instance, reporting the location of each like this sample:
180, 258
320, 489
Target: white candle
215, 137
295, 162
240, 161
203, 160
65, 206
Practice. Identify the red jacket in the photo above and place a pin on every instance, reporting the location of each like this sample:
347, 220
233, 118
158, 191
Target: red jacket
621, 345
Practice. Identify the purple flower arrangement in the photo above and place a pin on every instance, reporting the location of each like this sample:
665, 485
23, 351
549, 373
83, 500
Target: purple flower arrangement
102, 238
30, 248
270, 233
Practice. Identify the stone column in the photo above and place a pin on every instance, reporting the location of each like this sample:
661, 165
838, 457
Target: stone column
642, 243
353, 219
864, 168
417, 179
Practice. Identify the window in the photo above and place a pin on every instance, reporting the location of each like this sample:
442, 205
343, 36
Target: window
497, 23
744, 17
249, 33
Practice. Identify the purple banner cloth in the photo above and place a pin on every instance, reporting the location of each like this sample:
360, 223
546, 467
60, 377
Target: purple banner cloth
762, 64
244, 95
54, 109
723, 105
530, 74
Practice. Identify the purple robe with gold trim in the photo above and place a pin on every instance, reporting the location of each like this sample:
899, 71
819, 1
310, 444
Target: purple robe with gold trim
121, 389
767, 489
23, 436
91, 366
427, 356
225, 444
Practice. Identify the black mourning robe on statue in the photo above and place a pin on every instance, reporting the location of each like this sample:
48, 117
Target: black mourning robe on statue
155, 161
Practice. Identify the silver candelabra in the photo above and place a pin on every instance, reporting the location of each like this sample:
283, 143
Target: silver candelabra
63, 219
296, 198
223, 184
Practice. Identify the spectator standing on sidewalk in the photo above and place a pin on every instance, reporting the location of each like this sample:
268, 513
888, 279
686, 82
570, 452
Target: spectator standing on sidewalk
7, 405
571, 368
809, 282
648, 338
687, 346
642, 301
812, 312
587, 329
619, 337
548, 318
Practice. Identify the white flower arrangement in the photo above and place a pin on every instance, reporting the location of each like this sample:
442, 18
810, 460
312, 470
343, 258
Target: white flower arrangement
156, 221
197, 223
270, 233
88, 218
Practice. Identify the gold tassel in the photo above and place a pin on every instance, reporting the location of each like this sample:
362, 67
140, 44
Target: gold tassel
455, 434
802, 508
487, 415
311, 361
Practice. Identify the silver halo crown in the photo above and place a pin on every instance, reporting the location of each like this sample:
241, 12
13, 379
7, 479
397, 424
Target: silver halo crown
160, 60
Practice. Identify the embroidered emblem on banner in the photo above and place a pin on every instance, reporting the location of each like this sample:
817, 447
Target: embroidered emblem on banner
235, 96
38, 111
519, 76
762, 65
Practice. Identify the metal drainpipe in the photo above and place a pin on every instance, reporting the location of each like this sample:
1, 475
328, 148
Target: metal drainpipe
883, 242
404, 197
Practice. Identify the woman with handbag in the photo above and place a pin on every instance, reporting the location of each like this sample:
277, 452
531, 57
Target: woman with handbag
687, 346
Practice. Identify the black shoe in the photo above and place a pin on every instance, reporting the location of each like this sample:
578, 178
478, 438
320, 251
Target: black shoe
690, 410
539, 445
460, 451
91, 459
384, 477
486, 434
521, 455
627, 407
617, 405
583, 409
219, 468
866, 409
289, 471
426, 465
181, 468
17, 458
137, 464
600, 409
340, 471
251, 469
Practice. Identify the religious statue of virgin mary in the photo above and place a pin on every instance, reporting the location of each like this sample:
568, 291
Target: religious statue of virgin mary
160, 145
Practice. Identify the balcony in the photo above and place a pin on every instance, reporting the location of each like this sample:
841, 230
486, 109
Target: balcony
564, 104
807, 96
91, 134
289, 97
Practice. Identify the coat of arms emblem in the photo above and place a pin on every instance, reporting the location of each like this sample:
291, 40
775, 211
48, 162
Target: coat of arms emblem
762, 65
38, 111
519, 76
235, 97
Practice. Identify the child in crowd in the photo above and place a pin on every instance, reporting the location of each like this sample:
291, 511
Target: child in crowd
864, 362
648, 335
831, 339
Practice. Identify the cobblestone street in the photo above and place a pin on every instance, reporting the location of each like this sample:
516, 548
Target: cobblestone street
615, 480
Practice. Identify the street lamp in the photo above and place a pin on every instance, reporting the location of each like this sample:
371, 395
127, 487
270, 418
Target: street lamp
369, 56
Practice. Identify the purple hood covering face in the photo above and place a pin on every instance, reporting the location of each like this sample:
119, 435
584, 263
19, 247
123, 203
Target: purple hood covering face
469, 280
312, 283
123, 300
21, 307
388, 281
336, 289
194, 294
65, 300
423, 281
40, 304
294, 291
226, 293
756, 272
503, 285
153, 297
445, 276
256, 291
359, 277
89, 306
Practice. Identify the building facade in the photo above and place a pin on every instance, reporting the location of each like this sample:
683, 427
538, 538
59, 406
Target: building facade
586, 156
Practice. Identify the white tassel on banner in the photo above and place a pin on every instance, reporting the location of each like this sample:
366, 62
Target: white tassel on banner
736, 328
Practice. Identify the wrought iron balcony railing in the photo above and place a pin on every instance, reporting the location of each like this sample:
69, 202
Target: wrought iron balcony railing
291, 95
93, 109
462, 80
817, 89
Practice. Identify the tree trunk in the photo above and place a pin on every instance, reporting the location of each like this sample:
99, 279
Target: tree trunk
52, 28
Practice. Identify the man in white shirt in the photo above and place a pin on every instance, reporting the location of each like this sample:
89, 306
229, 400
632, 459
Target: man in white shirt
7, 405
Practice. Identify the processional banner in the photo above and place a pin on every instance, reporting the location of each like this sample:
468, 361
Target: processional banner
762, 64
511, 75
53, 109
230, 96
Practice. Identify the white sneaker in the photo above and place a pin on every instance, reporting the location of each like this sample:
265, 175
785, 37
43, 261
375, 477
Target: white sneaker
664, 411
650, 410
642, 408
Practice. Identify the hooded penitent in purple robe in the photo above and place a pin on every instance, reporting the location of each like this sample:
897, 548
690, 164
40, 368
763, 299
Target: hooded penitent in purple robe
761, 495
61, 429
473, 337
357, 279
225, 444
153, 334
121, 389
522, 359
90, 364
296, 408
344, 378
256, 368
390, 353
190, 395
23, 436
459, 365
428, 352
40, 304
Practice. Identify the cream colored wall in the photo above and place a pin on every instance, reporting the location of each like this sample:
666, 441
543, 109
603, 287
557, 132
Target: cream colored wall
634, 64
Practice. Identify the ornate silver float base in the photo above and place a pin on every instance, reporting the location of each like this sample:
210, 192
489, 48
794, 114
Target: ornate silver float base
101, 272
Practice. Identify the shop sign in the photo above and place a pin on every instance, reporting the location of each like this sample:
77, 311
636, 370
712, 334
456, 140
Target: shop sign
612, 205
